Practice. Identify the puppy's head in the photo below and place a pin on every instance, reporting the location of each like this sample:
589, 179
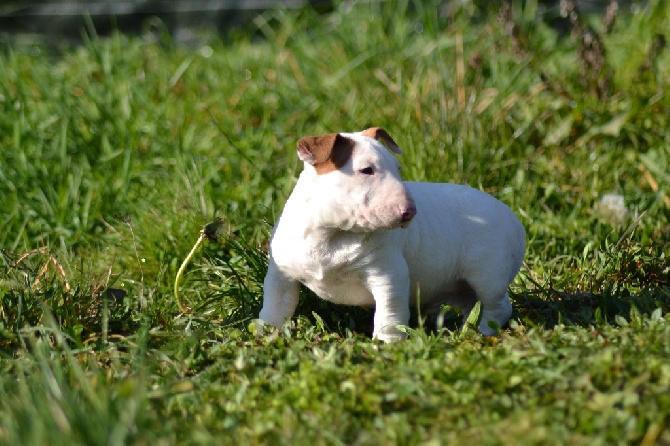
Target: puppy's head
353, 182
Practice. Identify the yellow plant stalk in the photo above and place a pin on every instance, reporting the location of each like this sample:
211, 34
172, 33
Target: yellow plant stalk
209, 232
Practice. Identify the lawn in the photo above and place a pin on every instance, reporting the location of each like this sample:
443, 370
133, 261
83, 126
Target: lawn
117, 152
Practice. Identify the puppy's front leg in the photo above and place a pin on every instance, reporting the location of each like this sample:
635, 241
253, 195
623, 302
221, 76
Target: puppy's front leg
389, 286
280, 296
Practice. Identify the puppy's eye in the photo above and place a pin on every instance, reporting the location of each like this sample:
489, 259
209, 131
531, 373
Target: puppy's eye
367, 171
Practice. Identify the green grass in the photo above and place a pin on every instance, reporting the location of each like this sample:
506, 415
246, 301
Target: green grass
116, 153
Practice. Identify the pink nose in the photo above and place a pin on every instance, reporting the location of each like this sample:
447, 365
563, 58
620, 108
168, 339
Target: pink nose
408, 213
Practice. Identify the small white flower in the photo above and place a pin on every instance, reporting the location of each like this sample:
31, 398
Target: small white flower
612, 208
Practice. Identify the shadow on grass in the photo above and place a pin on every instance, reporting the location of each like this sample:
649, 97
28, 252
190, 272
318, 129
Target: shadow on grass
585, 309
541, 309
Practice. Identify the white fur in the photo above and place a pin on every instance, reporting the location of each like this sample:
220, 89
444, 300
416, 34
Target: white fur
340, 234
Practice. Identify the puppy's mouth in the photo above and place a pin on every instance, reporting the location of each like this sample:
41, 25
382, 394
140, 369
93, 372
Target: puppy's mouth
404, 224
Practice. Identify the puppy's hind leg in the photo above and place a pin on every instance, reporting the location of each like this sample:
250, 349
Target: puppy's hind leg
498, 311
490, 286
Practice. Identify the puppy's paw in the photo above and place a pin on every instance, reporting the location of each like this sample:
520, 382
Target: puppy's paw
271, 318
258, 327
391, 333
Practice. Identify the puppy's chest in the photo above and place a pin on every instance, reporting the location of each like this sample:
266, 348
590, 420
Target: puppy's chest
329, 267
316, 258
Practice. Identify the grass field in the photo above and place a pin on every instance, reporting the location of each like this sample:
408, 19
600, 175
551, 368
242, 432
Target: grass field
115, 154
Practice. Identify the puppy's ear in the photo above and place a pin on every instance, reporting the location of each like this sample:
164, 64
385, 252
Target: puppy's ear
325, 152
382, 135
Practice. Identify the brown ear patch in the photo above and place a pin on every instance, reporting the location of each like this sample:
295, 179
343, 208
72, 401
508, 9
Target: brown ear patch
382, 135
325, 152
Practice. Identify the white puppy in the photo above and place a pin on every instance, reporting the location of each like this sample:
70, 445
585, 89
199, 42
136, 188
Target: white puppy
345, 233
